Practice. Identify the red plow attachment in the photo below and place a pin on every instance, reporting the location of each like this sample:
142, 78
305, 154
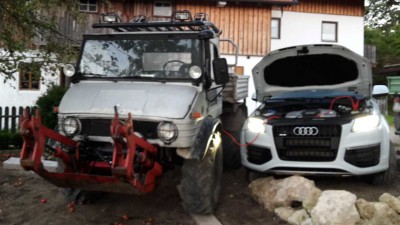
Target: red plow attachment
119, 175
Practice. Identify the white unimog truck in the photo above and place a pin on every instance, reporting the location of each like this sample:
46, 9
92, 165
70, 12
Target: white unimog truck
143, 98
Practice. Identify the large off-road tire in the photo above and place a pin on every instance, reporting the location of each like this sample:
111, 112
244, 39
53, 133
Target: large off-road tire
232, 159
387, 177
201, 179
232, 121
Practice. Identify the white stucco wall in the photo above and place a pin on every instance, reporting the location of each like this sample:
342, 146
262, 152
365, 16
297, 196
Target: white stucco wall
248, 62
10, 95
305, 28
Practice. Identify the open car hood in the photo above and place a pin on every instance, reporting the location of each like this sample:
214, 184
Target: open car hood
312, 67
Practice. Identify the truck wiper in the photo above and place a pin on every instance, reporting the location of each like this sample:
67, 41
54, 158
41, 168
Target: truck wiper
97, 75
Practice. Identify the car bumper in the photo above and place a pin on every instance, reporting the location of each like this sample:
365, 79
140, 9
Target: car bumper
357, 154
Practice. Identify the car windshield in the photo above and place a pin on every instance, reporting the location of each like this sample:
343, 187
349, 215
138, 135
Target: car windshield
126, 58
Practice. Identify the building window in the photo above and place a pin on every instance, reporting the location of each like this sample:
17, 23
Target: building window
29, 76
329, 31
88, 5
275, 28
162, 8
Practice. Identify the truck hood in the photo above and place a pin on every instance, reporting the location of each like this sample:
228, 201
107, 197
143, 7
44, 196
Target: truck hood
312, 67
140, 99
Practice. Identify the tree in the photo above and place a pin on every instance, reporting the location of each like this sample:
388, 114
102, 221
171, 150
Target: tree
382, 14
29, 29
382, 29
387, 44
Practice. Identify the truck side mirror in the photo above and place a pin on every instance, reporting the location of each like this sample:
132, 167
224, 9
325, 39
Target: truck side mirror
254, 97
221, 73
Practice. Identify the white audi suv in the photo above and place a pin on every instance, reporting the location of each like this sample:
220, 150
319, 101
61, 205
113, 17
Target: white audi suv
317, 116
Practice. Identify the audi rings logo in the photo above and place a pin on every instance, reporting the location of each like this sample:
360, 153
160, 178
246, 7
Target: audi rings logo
305, 131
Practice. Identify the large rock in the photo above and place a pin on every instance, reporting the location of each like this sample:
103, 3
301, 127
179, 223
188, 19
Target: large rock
264, 190
299, 217
292, 216
377, 213
365, 209
334, 208
391, 201
283, 193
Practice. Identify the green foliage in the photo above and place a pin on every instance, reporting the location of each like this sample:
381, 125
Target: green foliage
47, 102
387, 44
382, 14
25, 24
8, 139
383, 29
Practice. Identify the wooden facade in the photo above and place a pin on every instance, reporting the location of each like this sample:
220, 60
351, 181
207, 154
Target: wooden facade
247, 23
333, 7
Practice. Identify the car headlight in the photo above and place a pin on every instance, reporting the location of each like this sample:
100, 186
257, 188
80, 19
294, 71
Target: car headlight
366, 123
256, 125
195, 72
71, 126
167, 132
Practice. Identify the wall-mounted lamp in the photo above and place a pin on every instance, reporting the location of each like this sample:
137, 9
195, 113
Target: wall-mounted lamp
221, 3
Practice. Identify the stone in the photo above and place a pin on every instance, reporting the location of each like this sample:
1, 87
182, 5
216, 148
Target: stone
335, 207
365, 209
307, 222
283, 193
391, 201
298, 217
377, 213
292, 216
263, 190
284, 213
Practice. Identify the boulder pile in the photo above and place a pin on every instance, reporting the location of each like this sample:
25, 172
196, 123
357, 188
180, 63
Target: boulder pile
298, 201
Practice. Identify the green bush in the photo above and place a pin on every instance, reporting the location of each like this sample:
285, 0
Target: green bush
8, 139
4, 140
47, 102
15, 140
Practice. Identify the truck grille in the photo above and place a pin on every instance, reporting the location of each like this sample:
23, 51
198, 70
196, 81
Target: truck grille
101, 127
307, 145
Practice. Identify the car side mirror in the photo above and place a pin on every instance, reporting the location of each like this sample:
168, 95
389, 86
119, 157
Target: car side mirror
380, 90
221, 73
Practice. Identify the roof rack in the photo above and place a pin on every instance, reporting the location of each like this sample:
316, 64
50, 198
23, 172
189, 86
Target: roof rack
160, 26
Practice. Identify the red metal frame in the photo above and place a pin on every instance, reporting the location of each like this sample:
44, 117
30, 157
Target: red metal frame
129, 152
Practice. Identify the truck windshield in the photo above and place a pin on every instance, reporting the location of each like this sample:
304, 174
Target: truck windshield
126, 58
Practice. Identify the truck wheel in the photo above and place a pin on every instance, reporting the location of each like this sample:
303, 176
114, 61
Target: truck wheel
231, 151
201, 179
232, 121
387, 177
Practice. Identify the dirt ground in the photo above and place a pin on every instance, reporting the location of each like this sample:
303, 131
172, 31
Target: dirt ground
21, 195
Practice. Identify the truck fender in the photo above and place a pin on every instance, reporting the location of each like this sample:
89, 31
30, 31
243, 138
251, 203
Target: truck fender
208, 127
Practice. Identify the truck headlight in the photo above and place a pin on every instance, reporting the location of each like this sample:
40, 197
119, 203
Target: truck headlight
195, 72
167, 132
69, 70
366, 123
71, 126
256, 125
